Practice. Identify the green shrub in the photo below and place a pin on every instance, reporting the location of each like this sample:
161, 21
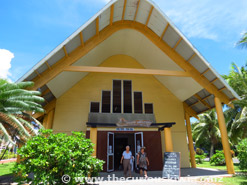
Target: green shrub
242, 154
218, 158
200, 158
199, 151
50, 156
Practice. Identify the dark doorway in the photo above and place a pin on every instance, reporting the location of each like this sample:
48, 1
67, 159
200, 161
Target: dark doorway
120, 142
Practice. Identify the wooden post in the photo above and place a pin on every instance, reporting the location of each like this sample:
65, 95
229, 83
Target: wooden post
50, 118
224, 136
168, 139
93, 137
18, 160
190, 139
45, 121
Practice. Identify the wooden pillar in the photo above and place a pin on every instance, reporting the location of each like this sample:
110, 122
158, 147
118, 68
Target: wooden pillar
18, 160
50, 118
93, 137
224, 136
190, 140
168, 139
45, 121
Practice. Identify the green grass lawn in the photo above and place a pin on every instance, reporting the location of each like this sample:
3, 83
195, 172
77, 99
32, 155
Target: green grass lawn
207, 165
236, 179
5, 169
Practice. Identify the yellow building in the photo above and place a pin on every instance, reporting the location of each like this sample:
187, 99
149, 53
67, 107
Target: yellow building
127, 63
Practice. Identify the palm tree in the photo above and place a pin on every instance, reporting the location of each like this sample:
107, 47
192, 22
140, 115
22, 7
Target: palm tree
236, 121
16, 107
243, 41
206, 129
237, 79
236, 118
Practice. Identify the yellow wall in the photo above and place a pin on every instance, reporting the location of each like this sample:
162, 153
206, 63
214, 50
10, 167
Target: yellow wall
72, 107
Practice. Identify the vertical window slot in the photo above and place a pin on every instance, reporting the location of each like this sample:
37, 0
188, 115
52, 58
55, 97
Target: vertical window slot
138, 102
106, 101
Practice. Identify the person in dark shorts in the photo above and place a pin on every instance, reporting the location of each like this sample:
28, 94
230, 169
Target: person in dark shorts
143, 162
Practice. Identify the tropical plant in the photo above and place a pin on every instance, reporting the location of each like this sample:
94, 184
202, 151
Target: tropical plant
199, 151
56, 158
236, 120
237, 79
243, 41
218, 158
16, 106
200, 158
242, 154
206, 128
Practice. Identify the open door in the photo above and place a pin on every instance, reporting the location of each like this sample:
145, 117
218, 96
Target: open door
138, 144
110, 152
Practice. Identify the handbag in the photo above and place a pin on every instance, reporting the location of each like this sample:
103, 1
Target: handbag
120, 167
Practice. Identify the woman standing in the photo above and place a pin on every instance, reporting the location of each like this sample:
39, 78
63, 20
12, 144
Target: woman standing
125, 160
143, 162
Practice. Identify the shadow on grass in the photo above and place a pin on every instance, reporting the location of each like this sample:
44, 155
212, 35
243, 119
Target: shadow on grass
6, 179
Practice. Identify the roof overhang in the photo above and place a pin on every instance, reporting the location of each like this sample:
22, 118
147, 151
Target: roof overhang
133, 28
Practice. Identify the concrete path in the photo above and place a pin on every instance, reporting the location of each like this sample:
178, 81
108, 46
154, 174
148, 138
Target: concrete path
185, 172
235, 160
189, 176
148, 182
8, 160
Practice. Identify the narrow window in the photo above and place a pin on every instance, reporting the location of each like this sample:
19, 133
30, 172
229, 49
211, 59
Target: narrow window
94, 107
106, 101
148, 108
138, 102
116, 96
127, 96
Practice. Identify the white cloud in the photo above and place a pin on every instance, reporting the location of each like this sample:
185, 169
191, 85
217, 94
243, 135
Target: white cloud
5, 63
208, 19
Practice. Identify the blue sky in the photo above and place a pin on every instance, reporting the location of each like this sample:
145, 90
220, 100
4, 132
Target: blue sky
30, 29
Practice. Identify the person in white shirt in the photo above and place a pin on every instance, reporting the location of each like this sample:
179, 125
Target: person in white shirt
125, 160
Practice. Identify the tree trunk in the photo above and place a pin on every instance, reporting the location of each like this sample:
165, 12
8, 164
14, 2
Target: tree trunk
244, 133
211, 151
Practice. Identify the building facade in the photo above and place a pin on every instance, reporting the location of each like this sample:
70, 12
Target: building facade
129, 77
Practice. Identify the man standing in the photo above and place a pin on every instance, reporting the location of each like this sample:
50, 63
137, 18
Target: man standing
125, 160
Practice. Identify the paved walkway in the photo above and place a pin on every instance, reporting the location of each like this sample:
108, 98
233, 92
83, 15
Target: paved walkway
189, 176
8, 160
185, 172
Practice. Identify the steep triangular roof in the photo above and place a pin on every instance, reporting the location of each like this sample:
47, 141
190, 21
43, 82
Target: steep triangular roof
133, 27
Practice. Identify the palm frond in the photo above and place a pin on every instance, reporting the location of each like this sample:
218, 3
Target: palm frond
5, 134
9, 86
242, 43
15, 102
17, 124
28, 126
38, 123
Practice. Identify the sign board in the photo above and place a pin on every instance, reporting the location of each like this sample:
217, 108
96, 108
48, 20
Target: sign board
136, 123
124, 129
171, 168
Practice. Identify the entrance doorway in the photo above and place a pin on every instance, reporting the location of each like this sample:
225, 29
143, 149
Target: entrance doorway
116, 144
121, 141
